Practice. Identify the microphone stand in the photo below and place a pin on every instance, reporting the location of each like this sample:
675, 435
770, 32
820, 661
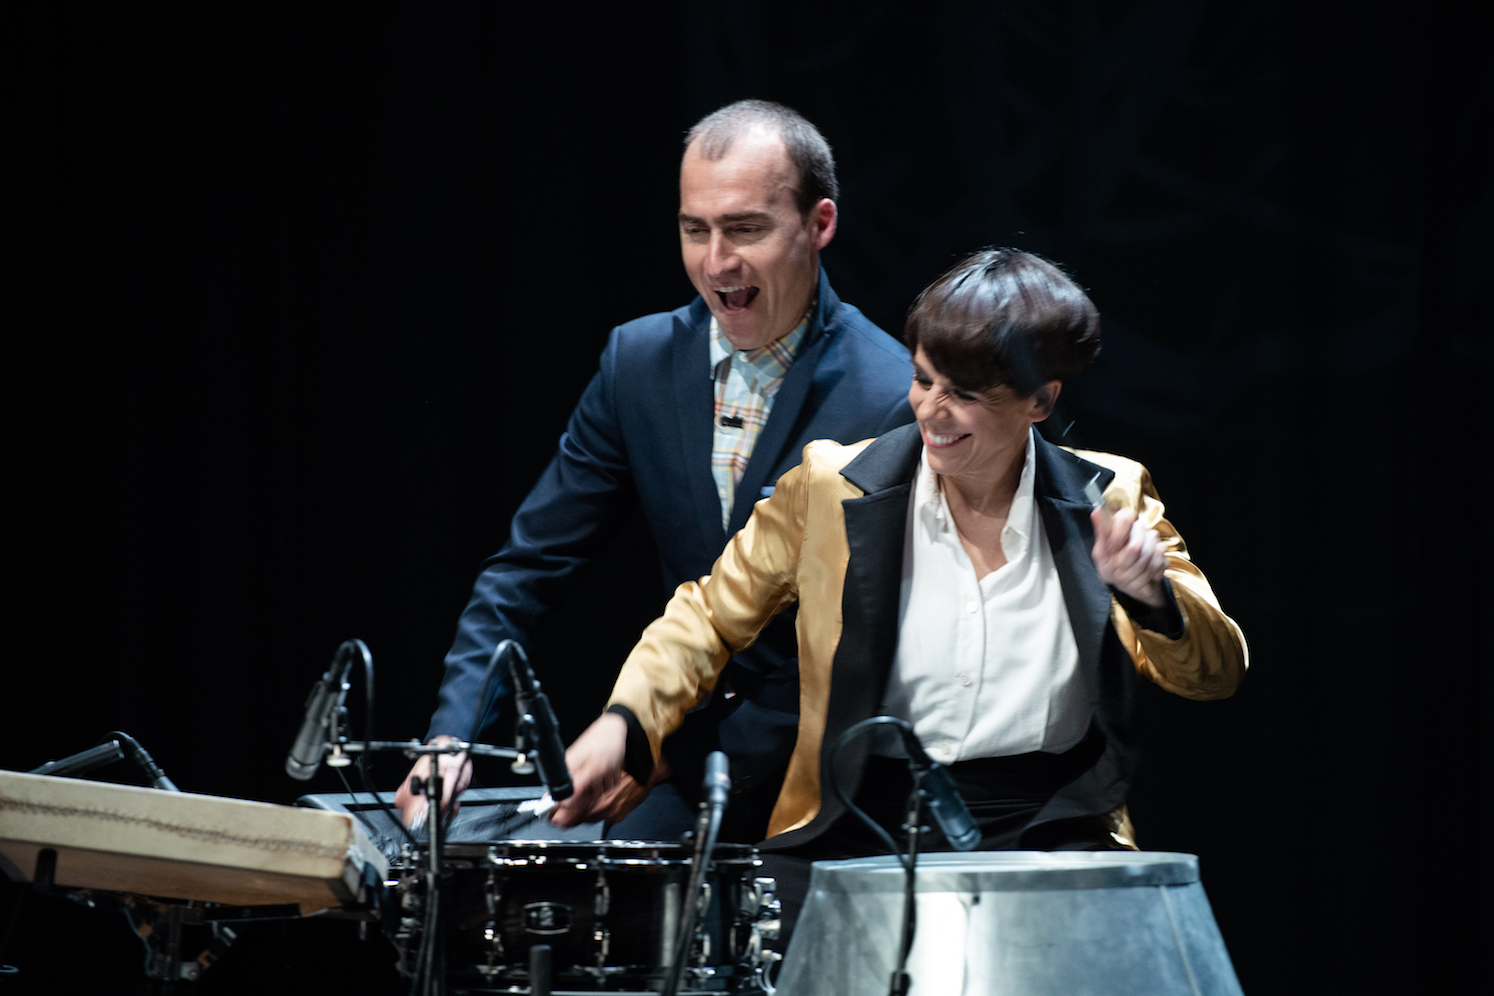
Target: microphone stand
430, 974
706, 829
901, 980
948, 809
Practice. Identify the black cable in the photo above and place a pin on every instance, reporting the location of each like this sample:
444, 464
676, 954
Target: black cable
845, 738
368, 691
481, 711
388, 810
364, 775
362, 817
142, 759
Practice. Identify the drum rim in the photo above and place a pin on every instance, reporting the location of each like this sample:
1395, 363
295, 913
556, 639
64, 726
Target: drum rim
1011, 871
618, 854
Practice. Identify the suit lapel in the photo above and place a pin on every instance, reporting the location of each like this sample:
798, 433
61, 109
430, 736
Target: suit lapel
787, 405
1059, 486
876, 524
693, 405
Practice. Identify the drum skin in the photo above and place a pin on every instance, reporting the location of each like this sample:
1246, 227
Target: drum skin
1062, 923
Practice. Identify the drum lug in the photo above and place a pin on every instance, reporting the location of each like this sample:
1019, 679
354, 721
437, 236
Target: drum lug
762, 909
602, 938
703, 950
701, 975
491, 934
762, 971
603, 903
760, 897
703, 902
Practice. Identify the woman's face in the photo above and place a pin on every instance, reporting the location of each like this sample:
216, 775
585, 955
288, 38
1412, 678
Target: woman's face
969, 435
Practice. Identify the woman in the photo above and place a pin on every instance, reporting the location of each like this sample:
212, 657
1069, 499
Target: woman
955, 574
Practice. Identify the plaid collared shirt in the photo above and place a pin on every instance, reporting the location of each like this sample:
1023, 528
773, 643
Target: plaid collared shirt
745, 385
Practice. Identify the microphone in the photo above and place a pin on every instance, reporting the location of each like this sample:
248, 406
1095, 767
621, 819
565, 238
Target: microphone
84, 761
114, 748
534, 707
717, 780
943, 799
326, 695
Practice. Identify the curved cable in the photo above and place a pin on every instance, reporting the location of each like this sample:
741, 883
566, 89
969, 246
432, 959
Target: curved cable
480, 713
845, 738
364, 775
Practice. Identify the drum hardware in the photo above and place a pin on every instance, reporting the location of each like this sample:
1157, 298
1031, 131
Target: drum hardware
603, 904
761, 910
602, 938
160, 925
495, 949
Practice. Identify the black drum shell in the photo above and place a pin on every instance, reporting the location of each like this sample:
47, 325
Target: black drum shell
609, 910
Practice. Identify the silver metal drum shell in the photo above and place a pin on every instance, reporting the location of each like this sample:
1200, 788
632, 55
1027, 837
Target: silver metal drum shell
1065, 923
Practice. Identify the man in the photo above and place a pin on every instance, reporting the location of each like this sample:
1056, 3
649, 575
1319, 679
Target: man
694, 415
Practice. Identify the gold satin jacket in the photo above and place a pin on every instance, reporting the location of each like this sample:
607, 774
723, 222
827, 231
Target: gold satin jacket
796, 547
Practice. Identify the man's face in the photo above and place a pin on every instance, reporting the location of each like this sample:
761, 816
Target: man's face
747, 249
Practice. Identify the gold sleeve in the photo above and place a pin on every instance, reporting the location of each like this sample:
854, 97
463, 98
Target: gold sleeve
1209, 659
680, 655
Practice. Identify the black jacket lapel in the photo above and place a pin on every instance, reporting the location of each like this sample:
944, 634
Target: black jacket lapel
693, 405
1059, 489
875, 531
1061, 477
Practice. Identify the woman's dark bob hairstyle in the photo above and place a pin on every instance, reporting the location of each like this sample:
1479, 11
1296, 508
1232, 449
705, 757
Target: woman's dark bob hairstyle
1003, 316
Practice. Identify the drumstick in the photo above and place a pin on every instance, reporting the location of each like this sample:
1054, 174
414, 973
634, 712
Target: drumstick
539, 807
1097, 497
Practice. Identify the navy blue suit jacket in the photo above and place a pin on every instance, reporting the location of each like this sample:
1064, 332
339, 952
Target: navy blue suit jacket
642, 433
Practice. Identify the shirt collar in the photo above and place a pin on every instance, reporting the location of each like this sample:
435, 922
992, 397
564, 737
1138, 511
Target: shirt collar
934, 510
1019, 519
780, 351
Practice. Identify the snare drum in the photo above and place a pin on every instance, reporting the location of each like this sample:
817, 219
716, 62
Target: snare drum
610, 912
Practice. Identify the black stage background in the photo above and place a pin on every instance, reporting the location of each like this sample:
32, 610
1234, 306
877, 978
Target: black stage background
302, 301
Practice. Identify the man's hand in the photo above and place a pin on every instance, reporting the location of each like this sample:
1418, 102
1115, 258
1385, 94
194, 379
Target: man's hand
456, 775
1129, 556
602, 790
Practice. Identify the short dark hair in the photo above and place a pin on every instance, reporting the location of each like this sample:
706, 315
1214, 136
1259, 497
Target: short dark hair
807, 148
1003, 316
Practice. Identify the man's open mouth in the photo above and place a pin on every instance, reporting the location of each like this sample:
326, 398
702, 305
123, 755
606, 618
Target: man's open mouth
735, 298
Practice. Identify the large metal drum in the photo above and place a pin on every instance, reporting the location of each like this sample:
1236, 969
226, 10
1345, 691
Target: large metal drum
1018, 923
